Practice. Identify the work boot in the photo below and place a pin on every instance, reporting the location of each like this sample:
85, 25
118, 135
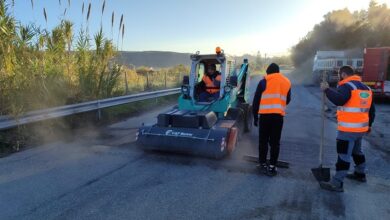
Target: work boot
360, 177
263, 168
331, 186
272, 171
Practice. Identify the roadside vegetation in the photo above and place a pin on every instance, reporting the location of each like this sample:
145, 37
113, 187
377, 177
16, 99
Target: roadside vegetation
342, 30
258, 63
41, 68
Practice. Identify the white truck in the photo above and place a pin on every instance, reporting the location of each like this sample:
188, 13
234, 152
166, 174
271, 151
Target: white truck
329, 62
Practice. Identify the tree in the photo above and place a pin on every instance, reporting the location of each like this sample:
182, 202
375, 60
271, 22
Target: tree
342, 30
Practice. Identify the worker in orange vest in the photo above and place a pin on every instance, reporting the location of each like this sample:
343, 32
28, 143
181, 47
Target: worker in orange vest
355, 115
272, 95
211, 82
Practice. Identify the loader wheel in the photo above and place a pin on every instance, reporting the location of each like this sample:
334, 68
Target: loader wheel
248, 116
232, 141
248, 119
238, 115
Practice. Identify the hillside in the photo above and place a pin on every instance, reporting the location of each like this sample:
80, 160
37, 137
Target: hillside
155, 59
164, 59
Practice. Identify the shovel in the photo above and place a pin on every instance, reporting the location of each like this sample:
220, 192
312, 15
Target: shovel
322, 173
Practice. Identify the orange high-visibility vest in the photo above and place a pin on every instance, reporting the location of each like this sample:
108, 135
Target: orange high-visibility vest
274, 98
209, 83
353, 115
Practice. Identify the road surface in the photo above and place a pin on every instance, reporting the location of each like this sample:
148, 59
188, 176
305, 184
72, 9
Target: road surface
101, 174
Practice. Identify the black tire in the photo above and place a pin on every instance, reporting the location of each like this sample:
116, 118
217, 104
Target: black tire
248, 116
248, 119
238, 115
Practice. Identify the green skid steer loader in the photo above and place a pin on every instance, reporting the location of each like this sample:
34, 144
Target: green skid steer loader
204, 128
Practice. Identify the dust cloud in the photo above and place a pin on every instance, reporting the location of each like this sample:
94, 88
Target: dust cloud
302, 75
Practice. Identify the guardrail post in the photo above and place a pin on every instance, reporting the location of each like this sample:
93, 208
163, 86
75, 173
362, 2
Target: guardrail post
127, 86
99, 112
165, 79
147, 81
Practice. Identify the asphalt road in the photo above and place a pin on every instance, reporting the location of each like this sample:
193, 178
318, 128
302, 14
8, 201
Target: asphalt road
102, 175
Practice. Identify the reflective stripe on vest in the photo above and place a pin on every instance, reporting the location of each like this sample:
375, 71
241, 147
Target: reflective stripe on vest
272, 96
353, 110
352, 85
273, 99
353, 115
353, 125
272, 106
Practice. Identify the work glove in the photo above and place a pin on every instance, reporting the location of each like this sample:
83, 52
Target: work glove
324, 86
255, 122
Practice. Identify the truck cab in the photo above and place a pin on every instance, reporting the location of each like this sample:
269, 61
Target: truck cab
327, 63
376, 70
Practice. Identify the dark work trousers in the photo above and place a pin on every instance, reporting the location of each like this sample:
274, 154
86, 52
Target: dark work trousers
349, 144
270, 130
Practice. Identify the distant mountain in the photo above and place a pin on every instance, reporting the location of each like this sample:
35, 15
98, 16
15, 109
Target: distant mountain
155, 59
162, 59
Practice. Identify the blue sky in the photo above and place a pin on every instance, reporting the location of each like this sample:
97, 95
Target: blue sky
238, 26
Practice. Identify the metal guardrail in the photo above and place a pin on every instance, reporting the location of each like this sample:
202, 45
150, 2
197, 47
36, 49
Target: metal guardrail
7, 122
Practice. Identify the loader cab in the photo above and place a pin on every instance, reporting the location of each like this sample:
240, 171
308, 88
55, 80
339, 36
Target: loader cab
199, 69
232, 86
193, 85
206, 68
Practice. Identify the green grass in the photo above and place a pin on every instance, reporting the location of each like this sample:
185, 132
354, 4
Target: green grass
258, 72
